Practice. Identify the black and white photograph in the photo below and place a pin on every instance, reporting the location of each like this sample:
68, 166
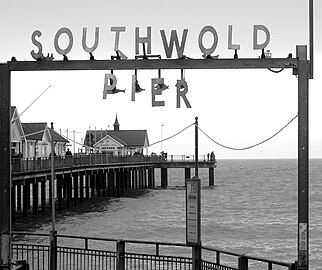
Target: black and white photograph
177, 135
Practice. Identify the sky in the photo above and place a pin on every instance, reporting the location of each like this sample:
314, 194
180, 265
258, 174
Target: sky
236, 108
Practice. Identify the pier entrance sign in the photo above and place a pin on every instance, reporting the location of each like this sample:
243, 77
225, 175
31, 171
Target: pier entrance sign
193, 207
301, 66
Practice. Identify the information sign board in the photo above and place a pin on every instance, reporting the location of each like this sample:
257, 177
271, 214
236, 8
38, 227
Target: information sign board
193, 211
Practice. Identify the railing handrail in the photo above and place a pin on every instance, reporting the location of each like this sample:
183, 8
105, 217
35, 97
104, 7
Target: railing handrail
131, 241
158, 244
41, 164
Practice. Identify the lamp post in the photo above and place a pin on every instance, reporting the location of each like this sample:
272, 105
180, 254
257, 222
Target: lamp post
53, 232
162, 138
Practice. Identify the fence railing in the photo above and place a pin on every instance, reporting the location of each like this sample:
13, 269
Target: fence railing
189, 158
77, 252
44, 163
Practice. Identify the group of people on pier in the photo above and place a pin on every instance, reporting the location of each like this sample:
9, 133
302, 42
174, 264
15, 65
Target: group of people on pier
211, 156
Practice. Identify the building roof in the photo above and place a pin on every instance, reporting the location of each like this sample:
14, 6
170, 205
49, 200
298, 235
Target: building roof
35, 131
12, 111
130, 138
57, 137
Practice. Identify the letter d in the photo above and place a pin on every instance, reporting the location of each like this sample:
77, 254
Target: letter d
255, 37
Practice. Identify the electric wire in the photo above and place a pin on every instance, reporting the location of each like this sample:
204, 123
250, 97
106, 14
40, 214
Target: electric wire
33, 133
176, 134
31, 104
171, 136
275, 71
251, 146
75, 142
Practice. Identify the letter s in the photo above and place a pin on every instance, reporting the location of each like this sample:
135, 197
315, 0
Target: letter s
34, 55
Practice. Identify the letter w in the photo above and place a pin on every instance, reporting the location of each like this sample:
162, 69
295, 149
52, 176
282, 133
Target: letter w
174, 39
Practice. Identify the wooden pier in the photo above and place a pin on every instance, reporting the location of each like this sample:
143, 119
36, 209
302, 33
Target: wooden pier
83, 177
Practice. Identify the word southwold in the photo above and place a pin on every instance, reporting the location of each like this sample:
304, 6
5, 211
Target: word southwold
157, 84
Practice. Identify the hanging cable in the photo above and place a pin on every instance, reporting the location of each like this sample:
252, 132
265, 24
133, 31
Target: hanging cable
276, 71
31, 104
34, 133
254, 145
71, 140
170, 136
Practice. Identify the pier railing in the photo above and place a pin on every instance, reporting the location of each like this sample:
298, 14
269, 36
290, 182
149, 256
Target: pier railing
19, 165
77, 252
44, 163
189, 158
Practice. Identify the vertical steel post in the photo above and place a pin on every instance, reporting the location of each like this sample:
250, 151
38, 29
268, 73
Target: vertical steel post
311, 37
196, 147
303, 157
53, 250
5, 175
242, 263
196, 257
196, 250
52, 178
53, 232
120, 255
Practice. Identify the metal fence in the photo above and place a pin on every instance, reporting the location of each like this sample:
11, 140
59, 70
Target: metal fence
189, 158
44, 164
89, 253
23, 165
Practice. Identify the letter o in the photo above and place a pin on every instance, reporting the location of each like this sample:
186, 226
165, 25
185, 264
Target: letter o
213, 31
61, 31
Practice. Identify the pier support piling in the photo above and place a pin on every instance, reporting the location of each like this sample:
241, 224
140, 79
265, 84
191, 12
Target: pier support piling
164, 177
43, 195
92, 181
87, 181
211, 177
150, 179
75, 184
81, 187
25, 205
35, 197
187, 173
59, 192
19, 198
13, 203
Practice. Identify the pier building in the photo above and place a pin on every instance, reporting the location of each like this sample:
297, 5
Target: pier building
29, 140
117, 142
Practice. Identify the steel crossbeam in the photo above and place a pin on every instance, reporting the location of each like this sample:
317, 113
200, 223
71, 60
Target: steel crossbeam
184, 63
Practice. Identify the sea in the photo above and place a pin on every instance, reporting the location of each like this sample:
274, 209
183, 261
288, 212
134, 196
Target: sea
252, 210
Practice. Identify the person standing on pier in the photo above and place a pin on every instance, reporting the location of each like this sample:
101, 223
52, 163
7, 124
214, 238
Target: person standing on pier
68, 153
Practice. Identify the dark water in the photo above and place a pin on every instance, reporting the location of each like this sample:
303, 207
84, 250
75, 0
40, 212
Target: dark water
252, 209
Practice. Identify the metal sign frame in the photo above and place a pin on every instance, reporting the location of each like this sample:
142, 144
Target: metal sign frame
300, 65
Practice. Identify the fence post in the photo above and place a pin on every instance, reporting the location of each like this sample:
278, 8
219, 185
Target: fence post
120, 255
196, 257
53, 250
242, 263
293, 266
